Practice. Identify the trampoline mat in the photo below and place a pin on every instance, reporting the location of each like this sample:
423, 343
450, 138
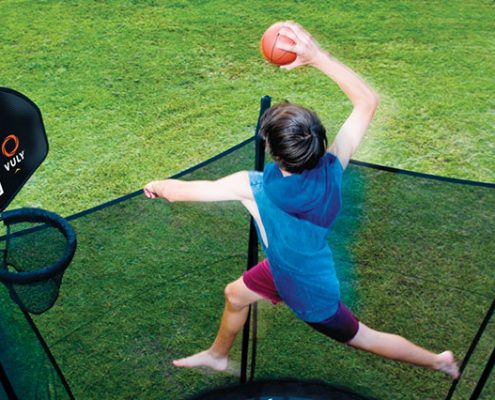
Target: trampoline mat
282, 390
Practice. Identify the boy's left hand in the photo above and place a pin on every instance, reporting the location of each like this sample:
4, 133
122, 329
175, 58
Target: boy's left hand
306, 48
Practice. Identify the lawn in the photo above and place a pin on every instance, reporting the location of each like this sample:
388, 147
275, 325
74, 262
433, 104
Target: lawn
132, 91
135, 90
146, 286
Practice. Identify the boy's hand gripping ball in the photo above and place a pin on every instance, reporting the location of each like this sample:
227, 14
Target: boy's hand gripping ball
268, 46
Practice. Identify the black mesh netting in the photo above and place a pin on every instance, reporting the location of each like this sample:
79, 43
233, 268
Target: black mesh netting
26, 370
36, 249
414, 256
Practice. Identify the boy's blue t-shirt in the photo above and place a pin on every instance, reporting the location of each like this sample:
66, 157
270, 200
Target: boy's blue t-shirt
297, 212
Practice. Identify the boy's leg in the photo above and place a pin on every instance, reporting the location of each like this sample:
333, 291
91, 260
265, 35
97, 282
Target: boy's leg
344, 327
237, 299
255, 284
397, 348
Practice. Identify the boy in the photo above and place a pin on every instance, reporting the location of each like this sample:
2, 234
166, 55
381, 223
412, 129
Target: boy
294, 202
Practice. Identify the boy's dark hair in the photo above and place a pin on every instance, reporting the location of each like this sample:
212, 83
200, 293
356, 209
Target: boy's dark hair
295, 136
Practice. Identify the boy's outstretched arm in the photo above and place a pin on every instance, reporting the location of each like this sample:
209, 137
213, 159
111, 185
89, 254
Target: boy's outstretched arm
231, 187
361, 95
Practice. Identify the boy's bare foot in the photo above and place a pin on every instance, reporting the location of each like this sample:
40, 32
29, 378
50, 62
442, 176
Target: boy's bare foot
446, 363
203, 359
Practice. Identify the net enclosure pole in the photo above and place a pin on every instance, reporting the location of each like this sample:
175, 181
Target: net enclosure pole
252, 257
484, 377
46, 350
6, 385
470, 352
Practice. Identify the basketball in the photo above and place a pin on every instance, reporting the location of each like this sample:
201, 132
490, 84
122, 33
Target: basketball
268, 46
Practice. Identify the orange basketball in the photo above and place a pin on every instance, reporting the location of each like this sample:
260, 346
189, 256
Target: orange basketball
268, 46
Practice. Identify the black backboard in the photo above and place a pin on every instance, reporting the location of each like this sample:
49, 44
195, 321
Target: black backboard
23, 143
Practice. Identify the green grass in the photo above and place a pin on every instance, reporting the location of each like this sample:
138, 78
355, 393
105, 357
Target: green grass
146, 286
131, 91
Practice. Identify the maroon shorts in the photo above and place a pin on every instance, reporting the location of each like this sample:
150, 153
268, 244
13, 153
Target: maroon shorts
341, 326
260, 280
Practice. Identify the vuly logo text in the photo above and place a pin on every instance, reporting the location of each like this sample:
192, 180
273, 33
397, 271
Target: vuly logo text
10, 147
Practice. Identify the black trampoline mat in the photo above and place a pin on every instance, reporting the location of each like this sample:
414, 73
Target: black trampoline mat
282, 390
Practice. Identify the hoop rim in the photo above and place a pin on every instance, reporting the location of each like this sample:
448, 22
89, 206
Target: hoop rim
49, 218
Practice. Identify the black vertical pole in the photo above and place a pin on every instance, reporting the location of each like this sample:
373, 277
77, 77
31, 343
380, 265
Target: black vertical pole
252, 258
484, 377
41, 341
7, 386
471, 349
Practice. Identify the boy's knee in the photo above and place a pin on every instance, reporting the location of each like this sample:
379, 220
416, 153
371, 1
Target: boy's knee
232, 295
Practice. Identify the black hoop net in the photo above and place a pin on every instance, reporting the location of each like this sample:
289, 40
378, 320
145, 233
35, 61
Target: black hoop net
37, 247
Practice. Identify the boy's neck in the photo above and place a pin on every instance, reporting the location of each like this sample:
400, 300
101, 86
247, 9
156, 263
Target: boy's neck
284, 172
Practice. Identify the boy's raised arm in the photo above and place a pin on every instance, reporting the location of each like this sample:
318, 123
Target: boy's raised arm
231, 187
361, 95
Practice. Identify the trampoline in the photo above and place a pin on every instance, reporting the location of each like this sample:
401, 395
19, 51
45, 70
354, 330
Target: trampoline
282, 390
138, 295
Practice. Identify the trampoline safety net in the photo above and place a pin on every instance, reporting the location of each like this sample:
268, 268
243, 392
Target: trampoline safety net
414, 256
